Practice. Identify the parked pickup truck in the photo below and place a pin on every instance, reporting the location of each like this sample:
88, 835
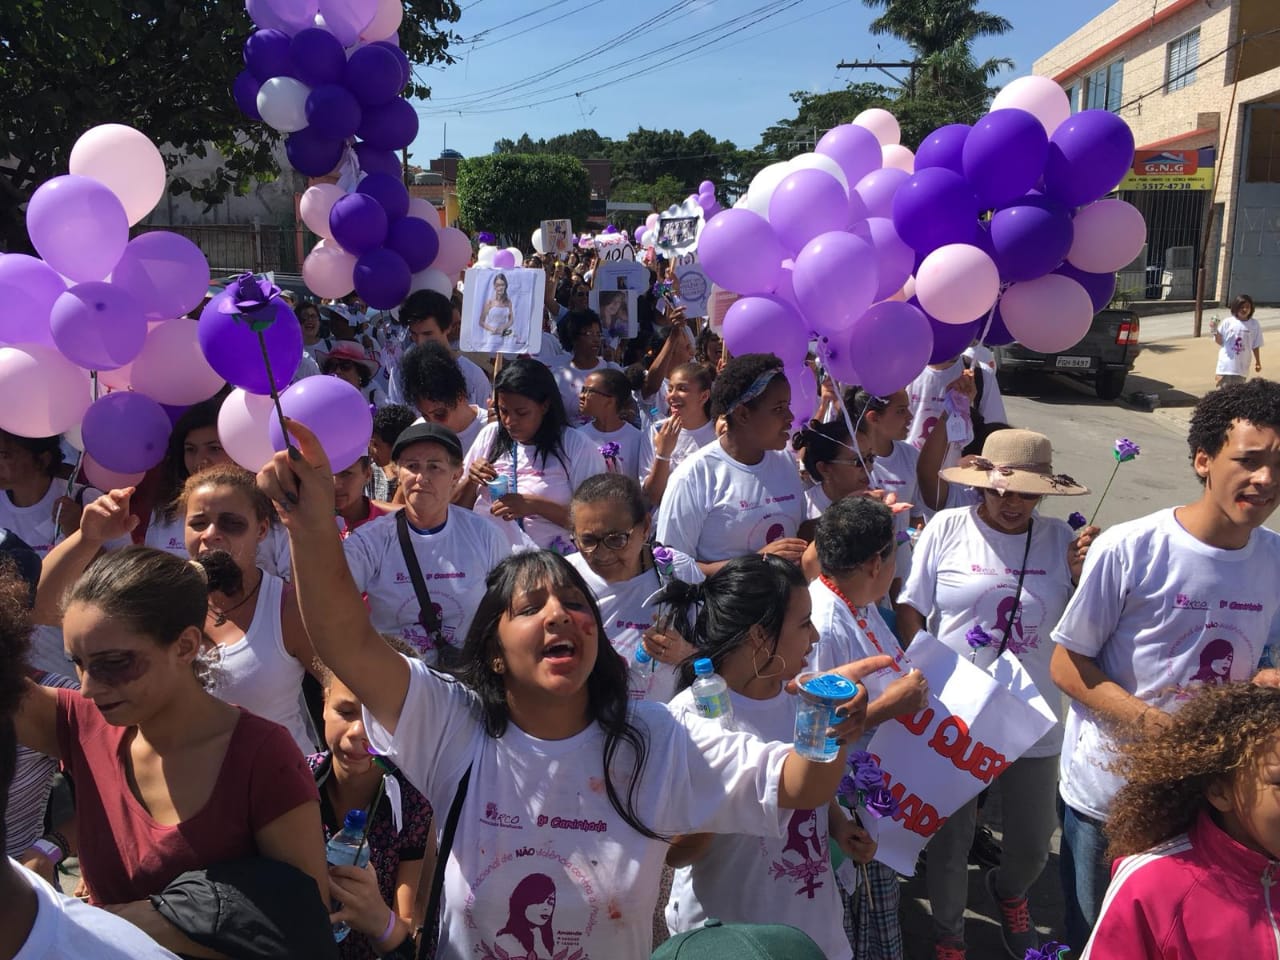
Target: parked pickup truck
1105, 356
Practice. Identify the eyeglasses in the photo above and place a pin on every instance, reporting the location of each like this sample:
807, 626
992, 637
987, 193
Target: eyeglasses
593, 392
615, 541
336, 366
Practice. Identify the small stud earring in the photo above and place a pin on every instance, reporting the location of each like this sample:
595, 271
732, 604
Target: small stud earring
498, 666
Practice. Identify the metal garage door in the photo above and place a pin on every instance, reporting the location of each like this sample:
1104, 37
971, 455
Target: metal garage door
1255, 260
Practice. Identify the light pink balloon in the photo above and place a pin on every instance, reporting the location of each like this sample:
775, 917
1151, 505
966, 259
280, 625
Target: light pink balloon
385, 22
316, 204
1109, 235
42, 393
898, 157
126, 162
1039, 96
1049, 314
105, 479
171, 368
432, 279
329, 271
455, 251
423, 210
121, 378
957, 283
882, 123
242, 428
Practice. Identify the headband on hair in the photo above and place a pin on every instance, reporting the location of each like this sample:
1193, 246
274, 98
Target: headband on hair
758, 386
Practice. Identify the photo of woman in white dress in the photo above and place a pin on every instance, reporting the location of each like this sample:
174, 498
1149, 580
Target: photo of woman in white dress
502, 310
497, 317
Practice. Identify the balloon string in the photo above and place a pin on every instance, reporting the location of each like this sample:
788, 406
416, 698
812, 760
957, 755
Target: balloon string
991, 316
75, 471
275, 397
853, 428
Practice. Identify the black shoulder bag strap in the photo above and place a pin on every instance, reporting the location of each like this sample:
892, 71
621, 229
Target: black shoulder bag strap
1017, 595
431, 922
427, 616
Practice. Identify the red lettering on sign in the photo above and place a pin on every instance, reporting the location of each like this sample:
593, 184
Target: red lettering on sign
952, 740
915, 815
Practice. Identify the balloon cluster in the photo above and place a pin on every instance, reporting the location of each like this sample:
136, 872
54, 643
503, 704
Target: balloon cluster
93, 340
705, 198
891, 260
329, 74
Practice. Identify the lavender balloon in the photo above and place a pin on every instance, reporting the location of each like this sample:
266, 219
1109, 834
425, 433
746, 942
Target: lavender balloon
835, 279
126, 432
231, 345
878, 188
332, 409
78, 226
29, 287
892, 342
739, 251
894, 258
98, 326
855, 148
765, 325
165, 272
805, 204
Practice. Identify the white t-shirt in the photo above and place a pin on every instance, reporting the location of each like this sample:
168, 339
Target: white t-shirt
34, 524
479, 389
537, 821
747, 879
454, 563
965, 573
816, 502
555, 479
68, 929
273, 551
928, 393
1162, 613
716, 508
626, 437
1239, 339
896, 474
626, 618
688, 442
570, 379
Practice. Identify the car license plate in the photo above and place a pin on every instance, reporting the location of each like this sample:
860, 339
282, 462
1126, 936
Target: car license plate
1083, 362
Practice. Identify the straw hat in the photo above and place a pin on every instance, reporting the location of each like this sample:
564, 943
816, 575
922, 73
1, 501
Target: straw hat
1016, 461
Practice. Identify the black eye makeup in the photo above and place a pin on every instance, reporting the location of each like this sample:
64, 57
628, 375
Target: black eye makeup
116, 668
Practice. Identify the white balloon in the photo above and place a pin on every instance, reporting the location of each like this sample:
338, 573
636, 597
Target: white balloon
518, 254
819, 161
762, 186
242, 428
882, 123
536, 240
432, 279
485, 255
282, 101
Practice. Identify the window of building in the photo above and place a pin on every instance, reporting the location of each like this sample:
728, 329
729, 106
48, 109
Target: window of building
1181, 57
1104, 88
1073, 97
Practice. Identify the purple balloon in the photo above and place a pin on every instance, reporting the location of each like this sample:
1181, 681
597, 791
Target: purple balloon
891, 343
949, 339
389, 126
877, 190
78, 226
806, 203
126, 432
1101, 287
739, 251
312, 154
372, 160
854, 148
944, 148
317, 57
244, 90
1004, 155
998, 334
358, 223
835, 280
335, 411
933, 208
415, 240
1029, 241
1088, 155
504, 260
332, 112
765, 325
838, 360
373, 75
266, 54
389, 191
166, 273
29, 287
98, 326
382, 278
894, 259
232, 348
406, 69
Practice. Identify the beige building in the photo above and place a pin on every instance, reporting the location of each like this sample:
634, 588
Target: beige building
1171, 68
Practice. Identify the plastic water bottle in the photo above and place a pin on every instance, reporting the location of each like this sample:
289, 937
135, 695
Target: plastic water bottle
643, 656
348, 848
711, 694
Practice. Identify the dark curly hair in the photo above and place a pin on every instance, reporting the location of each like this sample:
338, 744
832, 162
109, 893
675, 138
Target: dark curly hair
576, 322
1255, 401
1221, 731
391, 421
428, 372
736, 379
850, 532
608, 699
50, 447
822, 443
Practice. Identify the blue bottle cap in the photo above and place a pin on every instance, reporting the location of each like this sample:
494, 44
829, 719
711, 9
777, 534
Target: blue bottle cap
355, 820
830, 687
642, 655
703, 667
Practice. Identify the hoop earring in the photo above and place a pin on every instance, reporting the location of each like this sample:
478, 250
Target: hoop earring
497, 666
770, 676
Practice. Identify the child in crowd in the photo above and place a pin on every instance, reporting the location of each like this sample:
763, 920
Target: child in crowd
1237, 337
388, 423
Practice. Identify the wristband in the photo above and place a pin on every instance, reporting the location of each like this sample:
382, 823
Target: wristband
391, 925
658, 456
49, 850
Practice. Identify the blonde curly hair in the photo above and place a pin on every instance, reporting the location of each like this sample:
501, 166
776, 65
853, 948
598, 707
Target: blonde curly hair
1220, 731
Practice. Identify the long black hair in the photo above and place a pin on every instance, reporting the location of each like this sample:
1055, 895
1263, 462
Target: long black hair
608, 697
529, 378
174, 471
746, 592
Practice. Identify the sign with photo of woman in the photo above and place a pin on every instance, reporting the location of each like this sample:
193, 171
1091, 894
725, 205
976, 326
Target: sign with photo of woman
502, 310
617, 310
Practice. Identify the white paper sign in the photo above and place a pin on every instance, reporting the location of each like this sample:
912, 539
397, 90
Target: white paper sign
617, 310
976, 724
502, 311
621, 275
695, 290
558, 239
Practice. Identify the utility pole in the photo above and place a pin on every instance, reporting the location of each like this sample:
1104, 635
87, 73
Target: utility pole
884, 67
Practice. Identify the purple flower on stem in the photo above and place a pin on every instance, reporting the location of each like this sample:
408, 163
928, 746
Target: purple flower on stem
848, 789
664, 554
252, 300
1076, 520
880, 803
1053, 950
868, 777
1126, 450
977, 637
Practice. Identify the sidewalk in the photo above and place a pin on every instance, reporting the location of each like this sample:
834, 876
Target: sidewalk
1178, 367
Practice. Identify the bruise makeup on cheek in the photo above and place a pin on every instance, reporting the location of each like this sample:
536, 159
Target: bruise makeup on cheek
117, 669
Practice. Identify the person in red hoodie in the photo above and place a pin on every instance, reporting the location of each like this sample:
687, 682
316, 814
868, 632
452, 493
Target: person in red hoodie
1196, 834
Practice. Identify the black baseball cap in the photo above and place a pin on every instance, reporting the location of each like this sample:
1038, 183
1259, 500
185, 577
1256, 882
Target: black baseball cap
428, 433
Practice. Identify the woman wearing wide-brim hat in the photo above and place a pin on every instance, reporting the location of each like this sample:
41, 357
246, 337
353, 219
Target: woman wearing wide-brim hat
351, 362
987, 578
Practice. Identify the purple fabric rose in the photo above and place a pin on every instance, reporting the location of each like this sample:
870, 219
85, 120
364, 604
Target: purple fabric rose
881, 804
664, 555
977, 637
847, 788
861, 758
1126, 450
868, 777
610, 450
1076, 521
1053, 950
251, 300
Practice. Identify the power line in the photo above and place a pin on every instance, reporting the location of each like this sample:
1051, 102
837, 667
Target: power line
538, 26
524, 16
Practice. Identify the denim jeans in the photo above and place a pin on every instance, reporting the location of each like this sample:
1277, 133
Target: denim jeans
1086, 872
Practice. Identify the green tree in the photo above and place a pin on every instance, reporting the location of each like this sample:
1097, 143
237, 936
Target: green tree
660, 194
817, 113
163, 66
511, 193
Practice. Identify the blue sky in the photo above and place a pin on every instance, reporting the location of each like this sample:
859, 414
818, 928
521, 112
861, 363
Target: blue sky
526, 51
